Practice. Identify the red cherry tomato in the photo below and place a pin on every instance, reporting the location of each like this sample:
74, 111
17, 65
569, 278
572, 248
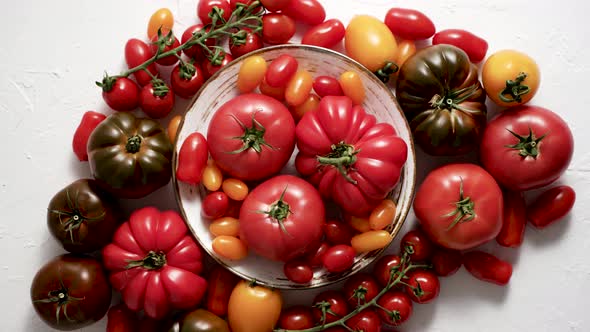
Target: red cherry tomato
215, 205
251, 42
409, 24
277, 28
419, 245
475, 47
422, 286
121, 319
211, 69
204, 7
360, 289
296, 318
136, 53
339, 258
298, 271
121, 94
446, 261
513, 220
326, 34
327, 86
234, 3
551, 206
281, 70
168, 42
185, 83
192, 159
156, 100
383, 267
89, 121
305, 11
274, 5
399, 306
315, 259
338, 232
487, 267
219, 289
195, 51
367, 321
330, 305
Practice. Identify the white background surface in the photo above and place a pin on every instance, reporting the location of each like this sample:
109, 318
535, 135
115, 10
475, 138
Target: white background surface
53, 51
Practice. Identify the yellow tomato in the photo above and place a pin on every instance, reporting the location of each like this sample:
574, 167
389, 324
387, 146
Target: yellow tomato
510, 78
298, 88
162, 18
230, 247
253, 308
312, 103
370, 241
353, 87
251, 73
359, 224
370, 42
173, 127
225, 226
235, 189
383, 215
406, 48
212, 177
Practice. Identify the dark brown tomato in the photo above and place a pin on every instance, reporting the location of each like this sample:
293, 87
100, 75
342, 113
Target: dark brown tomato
199, 320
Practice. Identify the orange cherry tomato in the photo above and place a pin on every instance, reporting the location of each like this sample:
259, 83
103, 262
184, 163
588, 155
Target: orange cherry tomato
370, 241
353, 87
360, 224
225, 226
173, 127
312, 103
254, 308
406, 48
212, 177
163, 19
235, 189
230, 247
251, 73
383, 215
298, 88
277, 93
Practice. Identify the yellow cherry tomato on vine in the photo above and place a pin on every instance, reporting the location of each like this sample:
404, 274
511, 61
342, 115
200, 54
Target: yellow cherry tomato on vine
353, 87
163, 19
212, 176
235, 189
225, 226
510, 78
383, 215
405, 49
298, 88
251, 73
253, 308
370, 42
370, 241
230, 247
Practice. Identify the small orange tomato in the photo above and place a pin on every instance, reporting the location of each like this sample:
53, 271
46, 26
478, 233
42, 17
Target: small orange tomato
353, 87
298, 88
370, 42
251, 73
406, 48
212, 177
163, 19
173, 127
383, 215
235, 189
312, 103
276, 93
360, 224
230, 247
225, 226
253, 308
370, 241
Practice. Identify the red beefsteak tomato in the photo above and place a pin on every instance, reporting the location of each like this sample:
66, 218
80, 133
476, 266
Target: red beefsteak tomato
155, 263
282, 218
348, 155
459, 206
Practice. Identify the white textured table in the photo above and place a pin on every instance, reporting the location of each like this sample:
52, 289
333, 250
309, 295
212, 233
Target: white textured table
53, 51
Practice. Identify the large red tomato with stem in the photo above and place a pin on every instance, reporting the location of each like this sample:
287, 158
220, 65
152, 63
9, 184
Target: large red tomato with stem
251, 137
459, 206
282, 218
526, 148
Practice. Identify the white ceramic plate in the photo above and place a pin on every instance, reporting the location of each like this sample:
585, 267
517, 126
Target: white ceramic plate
221, 88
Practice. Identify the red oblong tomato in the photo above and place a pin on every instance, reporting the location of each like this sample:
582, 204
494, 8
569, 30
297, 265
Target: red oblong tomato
186, 79
215, 205
239, 46
422, 286
219, 289
513, 220
487, 267
326, 34
89, 121
446, 261
261, 132
339, 258
298, 271
136, 53
121, 94
367, 321
329, 306
192, 159
156, 99
475, 46
204, 7
327, 86
277, 28
212, 68
409, 24
306, 11
338, 232
360, 289
466, 210
551, 206
526, 148
296, 318
399, 305
281, 70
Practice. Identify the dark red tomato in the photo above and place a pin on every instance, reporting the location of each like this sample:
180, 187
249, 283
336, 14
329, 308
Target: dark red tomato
360, 289
305, 11
89, 121
245, 42
219, 288
366, 321
475, 47
195, 51
165, 43
215, 205
121, 94
418, 245
298, 271
446, 262
211, 69
339, 258
281, 70
234, 3
513, 220
327, 86
551, 206
204, 7
384, 266
316, 257
277, 28
398, 305
156, 99
487, 267
121, 319
136, 53
274, 5
329, 306
186, 79
422, 286
326, 34
338, 232
192, 159
296, 318
409, 24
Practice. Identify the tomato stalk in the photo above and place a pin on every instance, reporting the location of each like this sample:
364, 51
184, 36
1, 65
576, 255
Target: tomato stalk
133, 144
527, 146
253, 136
386, 71
75, 217
515, 89
452, 99
279, 211
343, 156
152, 261
464, 210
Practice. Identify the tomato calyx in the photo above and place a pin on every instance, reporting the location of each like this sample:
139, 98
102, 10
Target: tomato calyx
343, 157
452, 99
253, 137
164, 40
394, 315
527, 146
464, 210
325, 308
515, 89
187, 70
360, 295
107, 83
386, 71
74, 218
62, 297
279, 211
133, 144
160, 89
152, 261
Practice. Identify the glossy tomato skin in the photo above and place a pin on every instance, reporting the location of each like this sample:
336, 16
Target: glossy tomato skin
409, 24
192, 159
316, 256
339, 258
254, 308
195, 52
370, 42
296, 318
210, 69
551, 206
367, 321
330, 300
275, 5
198, 320
204, 7
384, 266
368, 286
302, 218
281, 70
326, 34
277, 28
123, 95
515, 171
298, 271
420, 244
475, 46
168, 43
422, 286
327, 86
161, 19
219, 289
249, 164
215, 205
446, 262
153, 105
121, 319
187, 87
136, 53
487, 267
338, 232
306, 11
89, 121
71, 292
234, 3
397, 302
252, 42
513, 220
